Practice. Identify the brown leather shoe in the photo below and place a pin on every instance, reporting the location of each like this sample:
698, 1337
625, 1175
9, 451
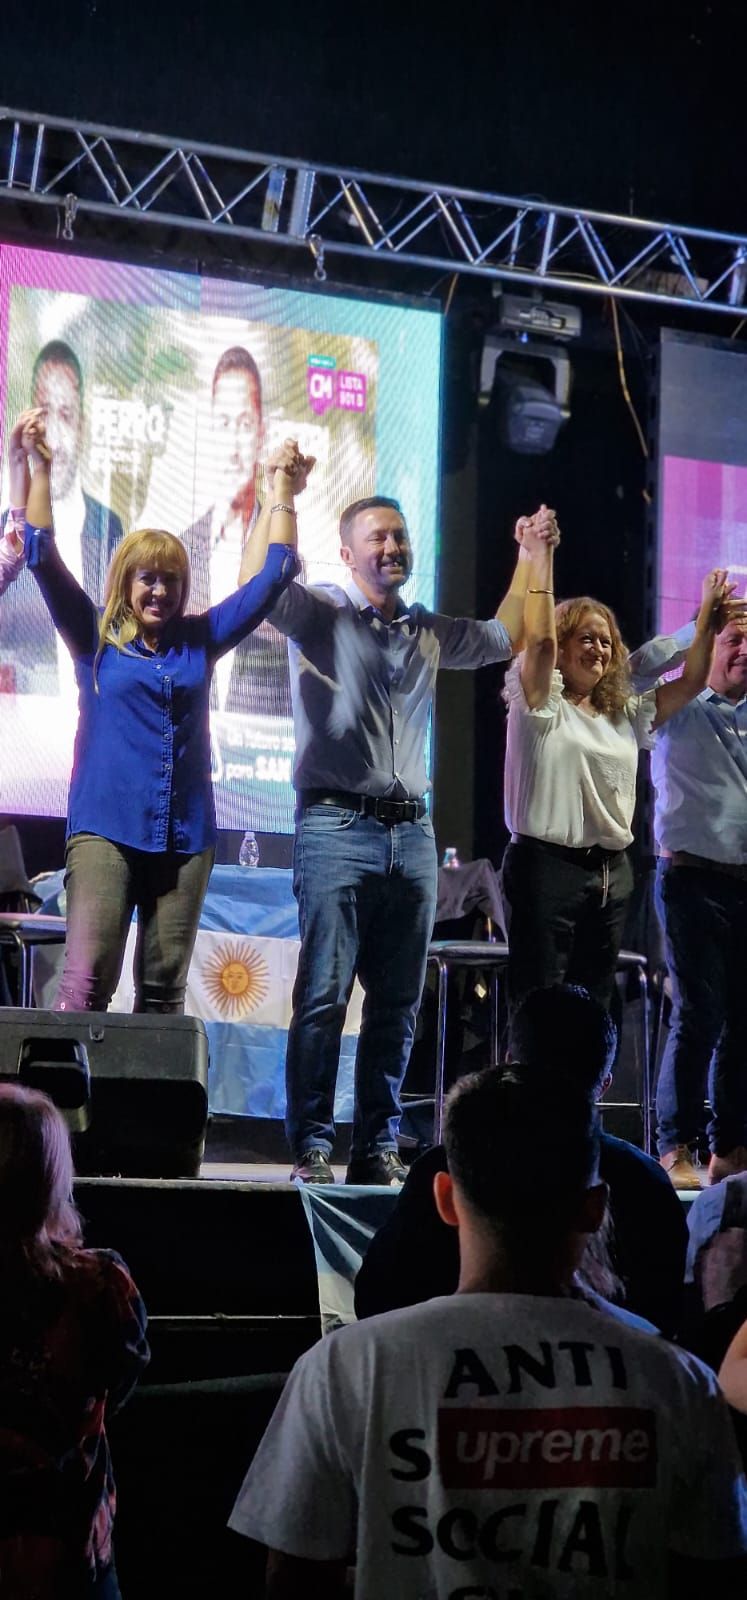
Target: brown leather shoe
726, 1166
678, 1165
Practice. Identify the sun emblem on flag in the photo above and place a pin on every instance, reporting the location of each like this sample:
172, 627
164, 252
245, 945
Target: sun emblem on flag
236, 978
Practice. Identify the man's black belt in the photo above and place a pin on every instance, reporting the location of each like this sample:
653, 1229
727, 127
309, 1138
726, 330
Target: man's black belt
367, 805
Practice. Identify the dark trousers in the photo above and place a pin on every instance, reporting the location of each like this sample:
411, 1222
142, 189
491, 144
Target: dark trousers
704, 917
566, 913
105, 882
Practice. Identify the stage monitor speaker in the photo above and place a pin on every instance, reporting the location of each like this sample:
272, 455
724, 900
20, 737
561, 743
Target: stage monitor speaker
144, 1111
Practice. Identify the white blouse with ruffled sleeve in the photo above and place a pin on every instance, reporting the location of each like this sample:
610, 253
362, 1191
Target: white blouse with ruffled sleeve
570, 776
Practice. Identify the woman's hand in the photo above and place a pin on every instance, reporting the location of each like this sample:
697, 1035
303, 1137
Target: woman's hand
34, 437
536, 533
292, 467
18, 462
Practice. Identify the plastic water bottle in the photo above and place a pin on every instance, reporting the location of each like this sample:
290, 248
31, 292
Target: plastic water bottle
249, 852
451, 859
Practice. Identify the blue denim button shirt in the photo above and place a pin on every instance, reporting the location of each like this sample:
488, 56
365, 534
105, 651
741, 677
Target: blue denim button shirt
141, 768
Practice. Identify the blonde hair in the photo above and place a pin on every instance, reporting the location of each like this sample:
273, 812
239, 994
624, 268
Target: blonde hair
612, 691
39, 1225
144, 547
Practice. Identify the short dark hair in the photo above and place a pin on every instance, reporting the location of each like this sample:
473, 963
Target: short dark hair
356, 507
58, 354
237, 359
522, 1145
565, 1027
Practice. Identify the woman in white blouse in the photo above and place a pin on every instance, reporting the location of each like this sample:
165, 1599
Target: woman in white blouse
574, 732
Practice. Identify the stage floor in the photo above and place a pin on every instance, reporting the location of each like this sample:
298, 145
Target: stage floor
256, 1172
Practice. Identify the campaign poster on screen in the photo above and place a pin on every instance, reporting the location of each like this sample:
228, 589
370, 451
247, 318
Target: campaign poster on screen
164, 394
701, 449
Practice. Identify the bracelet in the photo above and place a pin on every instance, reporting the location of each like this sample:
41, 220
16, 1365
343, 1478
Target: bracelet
540, 591
281, 506
18, 513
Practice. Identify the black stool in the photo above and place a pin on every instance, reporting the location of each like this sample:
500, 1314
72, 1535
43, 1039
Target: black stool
23, 933
443, 954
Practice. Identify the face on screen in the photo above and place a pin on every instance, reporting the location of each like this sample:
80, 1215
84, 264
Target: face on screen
237, 432
56, 389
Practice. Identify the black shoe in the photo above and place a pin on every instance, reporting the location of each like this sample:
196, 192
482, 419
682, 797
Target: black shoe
313, 1167
384, 1169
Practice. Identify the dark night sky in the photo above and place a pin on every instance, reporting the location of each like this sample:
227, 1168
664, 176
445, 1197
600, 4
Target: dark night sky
629, 106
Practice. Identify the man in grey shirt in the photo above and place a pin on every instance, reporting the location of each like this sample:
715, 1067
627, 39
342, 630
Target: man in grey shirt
363, 667
699, 771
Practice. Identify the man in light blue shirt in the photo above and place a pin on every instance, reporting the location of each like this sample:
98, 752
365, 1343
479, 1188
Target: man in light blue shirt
699, 769
363, 673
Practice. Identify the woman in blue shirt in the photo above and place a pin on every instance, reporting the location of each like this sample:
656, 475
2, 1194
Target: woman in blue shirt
141, 825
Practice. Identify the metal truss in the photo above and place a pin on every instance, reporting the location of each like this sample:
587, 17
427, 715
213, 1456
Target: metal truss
338, 214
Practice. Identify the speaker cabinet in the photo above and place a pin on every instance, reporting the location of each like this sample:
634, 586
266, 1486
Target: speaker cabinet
144, 1112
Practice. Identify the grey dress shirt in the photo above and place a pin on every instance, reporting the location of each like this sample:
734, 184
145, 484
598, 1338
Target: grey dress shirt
362, 688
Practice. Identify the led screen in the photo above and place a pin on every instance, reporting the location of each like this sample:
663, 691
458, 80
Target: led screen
702, 452
165, 392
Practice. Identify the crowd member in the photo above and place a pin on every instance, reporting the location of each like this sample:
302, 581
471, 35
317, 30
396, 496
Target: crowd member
141, 818
363, 673
733, 1371
87, 532
699, 770
510, 1438
414, 1256
574, 732
72, 1345
717, 1244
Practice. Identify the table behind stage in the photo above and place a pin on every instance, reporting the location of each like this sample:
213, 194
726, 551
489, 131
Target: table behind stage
241, 978
240, 982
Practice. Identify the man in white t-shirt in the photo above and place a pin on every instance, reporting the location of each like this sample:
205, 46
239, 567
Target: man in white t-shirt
509, 1440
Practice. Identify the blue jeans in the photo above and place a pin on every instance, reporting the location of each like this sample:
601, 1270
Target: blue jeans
704, 917
366, 895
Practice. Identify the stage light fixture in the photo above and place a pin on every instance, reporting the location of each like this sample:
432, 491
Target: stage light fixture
527, 384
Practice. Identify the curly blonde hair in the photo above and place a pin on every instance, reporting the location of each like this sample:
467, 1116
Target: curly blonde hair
612, 691
152, 548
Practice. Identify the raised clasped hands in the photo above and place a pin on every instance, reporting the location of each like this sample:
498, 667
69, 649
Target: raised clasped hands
541, 530
28, 438
716, 598
287, 460
731, 610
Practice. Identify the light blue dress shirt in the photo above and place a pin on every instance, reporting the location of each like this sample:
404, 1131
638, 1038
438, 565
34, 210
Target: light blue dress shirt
362, 688
698, 763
